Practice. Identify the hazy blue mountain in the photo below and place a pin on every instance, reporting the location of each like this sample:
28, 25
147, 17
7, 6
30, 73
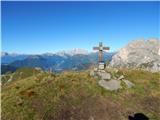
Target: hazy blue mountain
7, 68
7, 58
59, 61
32, 61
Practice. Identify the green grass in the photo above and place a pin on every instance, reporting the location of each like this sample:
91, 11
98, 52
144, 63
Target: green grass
39, 95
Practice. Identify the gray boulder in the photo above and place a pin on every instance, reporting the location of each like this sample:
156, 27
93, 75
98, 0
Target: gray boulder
121, 77
92, 73
128, 83
110, 85
104, 75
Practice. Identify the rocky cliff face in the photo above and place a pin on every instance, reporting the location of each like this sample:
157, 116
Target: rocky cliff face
139, 54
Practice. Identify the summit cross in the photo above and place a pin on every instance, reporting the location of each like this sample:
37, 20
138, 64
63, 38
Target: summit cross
101, 48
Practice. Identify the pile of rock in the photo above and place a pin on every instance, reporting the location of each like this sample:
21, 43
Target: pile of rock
108, 82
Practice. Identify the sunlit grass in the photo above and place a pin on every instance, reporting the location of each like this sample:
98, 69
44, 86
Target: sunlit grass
41, 95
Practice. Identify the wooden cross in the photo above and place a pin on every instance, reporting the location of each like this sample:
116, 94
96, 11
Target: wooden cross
100, 49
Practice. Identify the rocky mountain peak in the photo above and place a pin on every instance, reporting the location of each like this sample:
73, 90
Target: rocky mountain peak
4, 54
139, 53
72, 52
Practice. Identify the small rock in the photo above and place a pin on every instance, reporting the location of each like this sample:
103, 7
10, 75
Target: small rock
101, 71
128, 83
95, 69
38, 68
104, 75
91, 118
121, 77
110, 85
92, 73
116, 70
114, 77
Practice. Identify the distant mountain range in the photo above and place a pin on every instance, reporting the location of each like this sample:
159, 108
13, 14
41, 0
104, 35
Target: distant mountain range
76, 59
7, 58
140, 53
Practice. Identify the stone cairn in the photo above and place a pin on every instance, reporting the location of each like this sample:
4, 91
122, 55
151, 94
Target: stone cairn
106, 80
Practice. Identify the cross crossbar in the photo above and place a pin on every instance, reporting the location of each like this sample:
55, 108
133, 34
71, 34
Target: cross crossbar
95, 48
105, 48
100, 49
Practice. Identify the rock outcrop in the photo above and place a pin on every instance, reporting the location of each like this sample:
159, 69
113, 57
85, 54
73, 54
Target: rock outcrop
110, 85
108, 82
143, 54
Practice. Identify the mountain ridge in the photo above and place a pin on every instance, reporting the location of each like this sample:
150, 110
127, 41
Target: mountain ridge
59, 63
138, 54
7, 57
71, 52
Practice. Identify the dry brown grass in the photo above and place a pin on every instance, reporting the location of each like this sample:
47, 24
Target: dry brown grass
77, 96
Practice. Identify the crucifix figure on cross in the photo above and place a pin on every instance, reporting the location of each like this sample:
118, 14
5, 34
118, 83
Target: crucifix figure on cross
101, 48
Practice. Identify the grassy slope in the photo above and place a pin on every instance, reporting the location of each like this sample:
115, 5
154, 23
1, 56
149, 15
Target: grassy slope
38, 95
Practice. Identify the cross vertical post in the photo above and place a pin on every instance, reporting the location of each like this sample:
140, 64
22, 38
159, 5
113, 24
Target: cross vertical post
100, 49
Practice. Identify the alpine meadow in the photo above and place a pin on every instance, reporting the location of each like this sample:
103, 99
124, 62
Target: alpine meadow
80, 60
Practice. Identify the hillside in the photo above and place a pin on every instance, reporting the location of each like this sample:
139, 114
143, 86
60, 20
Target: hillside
7, 68
33, 94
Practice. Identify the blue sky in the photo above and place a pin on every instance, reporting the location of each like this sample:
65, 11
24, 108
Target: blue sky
39, 27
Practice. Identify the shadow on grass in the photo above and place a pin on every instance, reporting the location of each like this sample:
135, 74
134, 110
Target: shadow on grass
138, 116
